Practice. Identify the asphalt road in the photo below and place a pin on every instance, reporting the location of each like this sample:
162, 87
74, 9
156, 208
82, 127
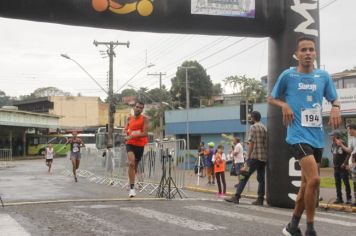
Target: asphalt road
167, 217
38, 203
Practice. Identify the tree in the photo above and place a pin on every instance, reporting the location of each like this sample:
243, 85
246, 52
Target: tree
157, 94
4, 100
199, 84
153, 115
49, 91
217, 89
141, 95
247, 88
128, 92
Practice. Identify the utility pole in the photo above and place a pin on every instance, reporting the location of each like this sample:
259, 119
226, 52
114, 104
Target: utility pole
187, 105
160, 74
111, 110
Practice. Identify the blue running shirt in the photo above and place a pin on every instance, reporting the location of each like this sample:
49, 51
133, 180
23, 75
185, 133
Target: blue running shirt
304, 94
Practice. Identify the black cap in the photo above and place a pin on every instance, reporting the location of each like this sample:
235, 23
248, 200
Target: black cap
336, 134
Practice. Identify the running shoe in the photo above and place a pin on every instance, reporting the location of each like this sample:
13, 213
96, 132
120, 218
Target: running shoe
310, 233
132, 193
288, 231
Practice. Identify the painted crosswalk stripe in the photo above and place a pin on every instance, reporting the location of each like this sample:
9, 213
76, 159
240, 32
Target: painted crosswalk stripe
342, 222
10, 227
83, 218
236, 215
172, 219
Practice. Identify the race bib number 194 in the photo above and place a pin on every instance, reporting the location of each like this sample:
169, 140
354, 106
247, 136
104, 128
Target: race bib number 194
311, 117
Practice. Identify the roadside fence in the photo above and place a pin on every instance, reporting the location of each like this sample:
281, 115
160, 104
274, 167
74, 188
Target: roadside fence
153, 174
5, 157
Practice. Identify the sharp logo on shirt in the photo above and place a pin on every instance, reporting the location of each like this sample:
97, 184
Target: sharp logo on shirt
311, 87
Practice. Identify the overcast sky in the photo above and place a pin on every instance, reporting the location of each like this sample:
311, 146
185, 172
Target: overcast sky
30, 53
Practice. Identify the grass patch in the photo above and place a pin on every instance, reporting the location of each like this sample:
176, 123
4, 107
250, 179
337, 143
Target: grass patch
328, 182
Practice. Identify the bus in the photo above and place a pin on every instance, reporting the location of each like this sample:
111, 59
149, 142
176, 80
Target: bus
36, 144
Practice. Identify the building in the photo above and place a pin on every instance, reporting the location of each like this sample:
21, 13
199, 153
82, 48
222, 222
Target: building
74, 112
15, 124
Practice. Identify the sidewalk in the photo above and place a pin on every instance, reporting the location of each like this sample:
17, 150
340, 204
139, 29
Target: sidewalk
328, 195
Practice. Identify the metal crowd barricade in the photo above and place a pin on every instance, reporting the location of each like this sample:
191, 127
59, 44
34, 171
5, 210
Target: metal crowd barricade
112, 169
5, 157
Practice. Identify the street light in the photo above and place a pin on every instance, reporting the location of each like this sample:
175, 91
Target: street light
187, 105
145, 67
83, 69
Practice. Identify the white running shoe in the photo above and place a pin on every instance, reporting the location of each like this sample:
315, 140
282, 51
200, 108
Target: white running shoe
132, 193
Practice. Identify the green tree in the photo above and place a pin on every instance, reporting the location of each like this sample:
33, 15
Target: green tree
199, 84
128, 92
247, 88
49, 91
157, 94
153, 115
217, 89
4, 100
141, 95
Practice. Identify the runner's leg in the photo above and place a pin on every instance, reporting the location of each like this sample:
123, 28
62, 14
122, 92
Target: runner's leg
311, 174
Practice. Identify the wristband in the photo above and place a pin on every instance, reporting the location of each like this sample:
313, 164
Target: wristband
335, 105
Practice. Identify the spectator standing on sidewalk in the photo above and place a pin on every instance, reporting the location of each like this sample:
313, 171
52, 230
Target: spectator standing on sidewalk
219, 160
340, 159
200, 159
208, 162
238, 158
351, 128
256, 159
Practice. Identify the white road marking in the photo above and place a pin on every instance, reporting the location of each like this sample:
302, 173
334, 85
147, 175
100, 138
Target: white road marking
97, 206
236, 215
10, 227
342, 222
83, 218
172, 219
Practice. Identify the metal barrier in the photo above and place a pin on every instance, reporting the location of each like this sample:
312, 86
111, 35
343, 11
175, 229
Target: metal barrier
112, 169
5, 157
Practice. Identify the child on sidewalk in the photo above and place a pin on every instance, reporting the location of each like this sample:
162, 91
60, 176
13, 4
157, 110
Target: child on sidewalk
219, 160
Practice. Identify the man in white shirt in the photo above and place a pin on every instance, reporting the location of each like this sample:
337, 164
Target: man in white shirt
238, 158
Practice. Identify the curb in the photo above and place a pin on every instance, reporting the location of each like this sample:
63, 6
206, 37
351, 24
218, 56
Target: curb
82, 200
323, 205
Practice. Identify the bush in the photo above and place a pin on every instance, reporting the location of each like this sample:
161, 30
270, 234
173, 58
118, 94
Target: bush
324, 162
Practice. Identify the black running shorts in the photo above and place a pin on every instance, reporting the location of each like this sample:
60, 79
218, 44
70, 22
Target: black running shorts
137, 150
300, 150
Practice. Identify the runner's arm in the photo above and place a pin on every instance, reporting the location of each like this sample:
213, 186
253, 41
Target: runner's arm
287, 112
335, 114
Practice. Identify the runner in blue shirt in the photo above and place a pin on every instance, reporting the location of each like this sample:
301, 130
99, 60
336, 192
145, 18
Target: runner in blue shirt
299, 92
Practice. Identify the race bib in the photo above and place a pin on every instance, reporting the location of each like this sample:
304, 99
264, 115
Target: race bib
311, 117
136, 132
75, 148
